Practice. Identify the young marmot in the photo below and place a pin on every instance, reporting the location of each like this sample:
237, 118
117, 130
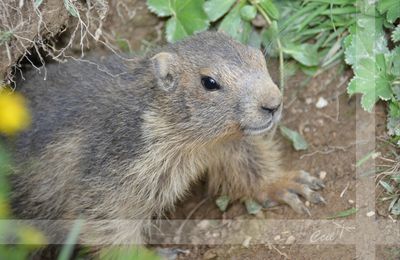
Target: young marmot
124, 139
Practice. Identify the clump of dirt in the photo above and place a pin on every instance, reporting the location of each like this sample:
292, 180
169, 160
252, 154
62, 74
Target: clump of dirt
49, 32
24, 29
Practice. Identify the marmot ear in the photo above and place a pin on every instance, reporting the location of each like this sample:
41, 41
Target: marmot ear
163, 65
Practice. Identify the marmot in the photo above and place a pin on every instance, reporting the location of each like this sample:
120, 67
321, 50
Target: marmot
124, 139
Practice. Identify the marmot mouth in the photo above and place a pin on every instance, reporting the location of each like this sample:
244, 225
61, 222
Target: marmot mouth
258, 130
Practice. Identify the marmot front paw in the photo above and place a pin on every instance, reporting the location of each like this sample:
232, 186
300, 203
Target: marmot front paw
288, 189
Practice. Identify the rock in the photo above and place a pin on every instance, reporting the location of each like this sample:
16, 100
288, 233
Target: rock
371, 213
322, 175
321, 103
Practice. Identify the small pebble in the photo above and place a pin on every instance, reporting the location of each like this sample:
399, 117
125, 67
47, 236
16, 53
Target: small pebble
371, 213
246, 242
322, 175
351, 201
290, 240
307, 204
308, 101
321, 103
278, 237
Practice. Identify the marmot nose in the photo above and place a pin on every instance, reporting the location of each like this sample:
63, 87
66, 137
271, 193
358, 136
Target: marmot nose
271, 109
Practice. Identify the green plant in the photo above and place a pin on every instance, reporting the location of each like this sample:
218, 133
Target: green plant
373, 51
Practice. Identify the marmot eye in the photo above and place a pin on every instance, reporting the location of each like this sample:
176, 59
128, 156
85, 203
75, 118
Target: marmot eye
209, 83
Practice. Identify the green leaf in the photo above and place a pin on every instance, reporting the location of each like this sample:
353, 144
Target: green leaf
37, 3
71, 8
161, 8
188, 18
174, 30
396, 208
222, 202
297, 140
394, 108
306, 53
235, 26
393, 125
393, 60
309, 71
371, 81
215, 9
396, 178
386, 186
248, 12
269, 7
344, 213
252, 206
366, 53
396, 34
391, 8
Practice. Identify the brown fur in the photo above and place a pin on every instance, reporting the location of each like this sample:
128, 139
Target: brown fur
127, 146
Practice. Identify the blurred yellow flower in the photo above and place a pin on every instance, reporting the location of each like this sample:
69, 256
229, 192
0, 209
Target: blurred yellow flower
14, 115
31, 236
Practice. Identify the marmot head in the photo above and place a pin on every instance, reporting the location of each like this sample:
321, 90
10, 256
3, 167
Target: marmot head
216, 86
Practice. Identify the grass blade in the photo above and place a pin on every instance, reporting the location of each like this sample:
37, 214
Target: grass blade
72, 238
344, 213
